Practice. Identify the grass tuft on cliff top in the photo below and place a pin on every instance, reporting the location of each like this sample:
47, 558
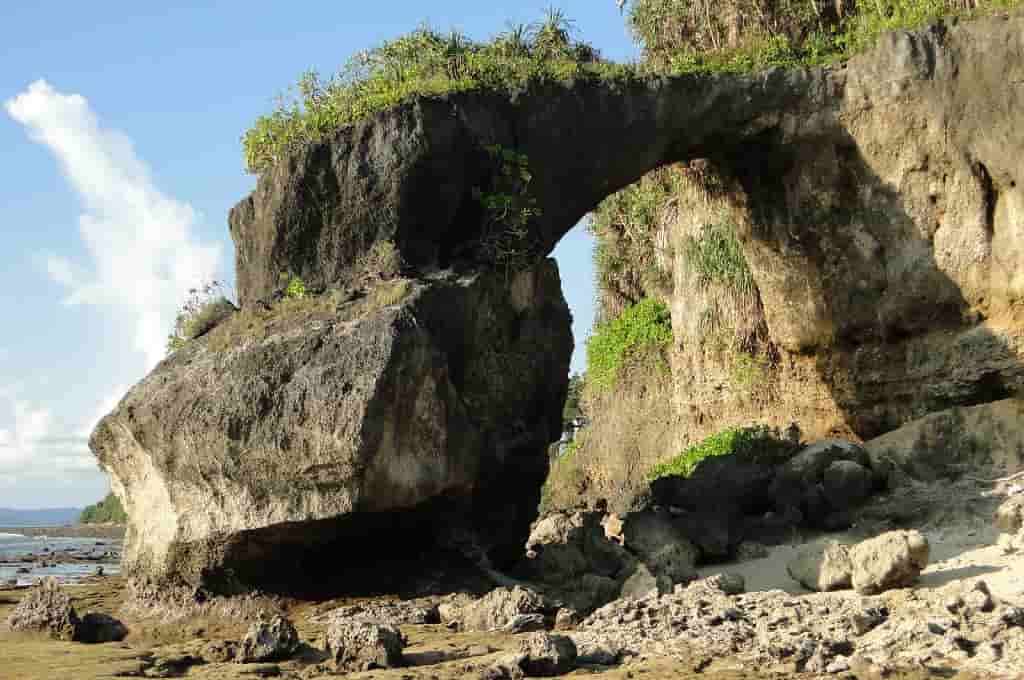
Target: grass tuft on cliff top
425, 62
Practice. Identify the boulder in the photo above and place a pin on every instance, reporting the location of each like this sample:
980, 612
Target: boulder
546, 655
356, 645
643, 582
715, 534
893, 560
984, 440
846, 484
656, 540
721, 483
273, 639
46, 608
726, 583
98, 628
1010, 515
361, 431
500, 607
796, 481
822, 567
563, 546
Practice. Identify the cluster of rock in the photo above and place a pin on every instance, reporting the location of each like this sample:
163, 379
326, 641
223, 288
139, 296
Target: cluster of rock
824, 632
892, 560
728, 501
47, 608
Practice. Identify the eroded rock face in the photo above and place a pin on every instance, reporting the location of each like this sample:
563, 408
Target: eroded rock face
284, 451
46, 609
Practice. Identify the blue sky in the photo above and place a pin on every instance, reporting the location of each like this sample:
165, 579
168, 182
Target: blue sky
120, 126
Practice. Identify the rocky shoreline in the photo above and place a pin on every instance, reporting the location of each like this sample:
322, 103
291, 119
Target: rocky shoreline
111, 531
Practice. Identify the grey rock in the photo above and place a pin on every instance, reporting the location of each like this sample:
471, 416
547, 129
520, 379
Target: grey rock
356, 645
96, 627
751, 550
846, 484
547, 655
500, 607
1010, 515
508, 667
220, 651
525, 623
822, 567
46, 608
642, 582
727, 583
339, 419
273, 639
892, 560
658, 543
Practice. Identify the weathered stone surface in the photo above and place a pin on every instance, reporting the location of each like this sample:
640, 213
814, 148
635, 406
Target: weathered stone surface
846, 484
822, 567
984, 440
659, 544
563, 546
1010, 515
247, 459
893, 560
356, 645
273, 639
46, 609
546, 655
498, 608
642, 582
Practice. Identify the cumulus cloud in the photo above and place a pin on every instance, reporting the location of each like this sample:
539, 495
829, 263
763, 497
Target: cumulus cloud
31, 426
143, 254
35, 449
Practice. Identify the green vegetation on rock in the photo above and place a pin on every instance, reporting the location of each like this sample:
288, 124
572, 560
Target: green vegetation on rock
108, 510
678, 37
755, 444
423, 63
641, 332
740, 36
509, 208
203, 310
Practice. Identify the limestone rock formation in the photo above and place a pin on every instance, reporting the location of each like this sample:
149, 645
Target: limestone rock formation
272, 639
878, 211
356, 645
893, 560
47, 609
500, 607
349, 427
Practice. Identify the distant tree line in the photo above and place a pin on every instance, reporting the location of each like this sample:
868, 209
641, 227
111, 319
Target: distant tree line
108, 510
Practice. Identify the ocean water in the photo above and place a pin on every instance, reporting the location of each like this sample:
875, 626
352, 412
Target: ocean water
18, 552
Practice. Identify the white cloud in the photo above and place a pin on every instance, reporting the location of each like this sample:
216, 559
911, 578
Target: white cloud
33, 448
143, 252
31, 426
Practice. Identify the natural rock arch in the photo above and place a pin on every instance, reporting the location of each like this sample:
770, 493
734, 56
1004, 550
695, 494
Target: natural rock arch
271, 452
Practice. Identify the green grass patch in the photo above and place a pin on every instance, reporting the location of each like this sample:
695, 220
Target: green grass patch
641, 332
756, 444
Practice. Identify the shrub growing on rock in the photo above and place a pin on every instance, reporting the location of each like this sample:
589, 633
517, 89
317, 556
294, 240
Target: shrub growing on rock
640, 333
754, 444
